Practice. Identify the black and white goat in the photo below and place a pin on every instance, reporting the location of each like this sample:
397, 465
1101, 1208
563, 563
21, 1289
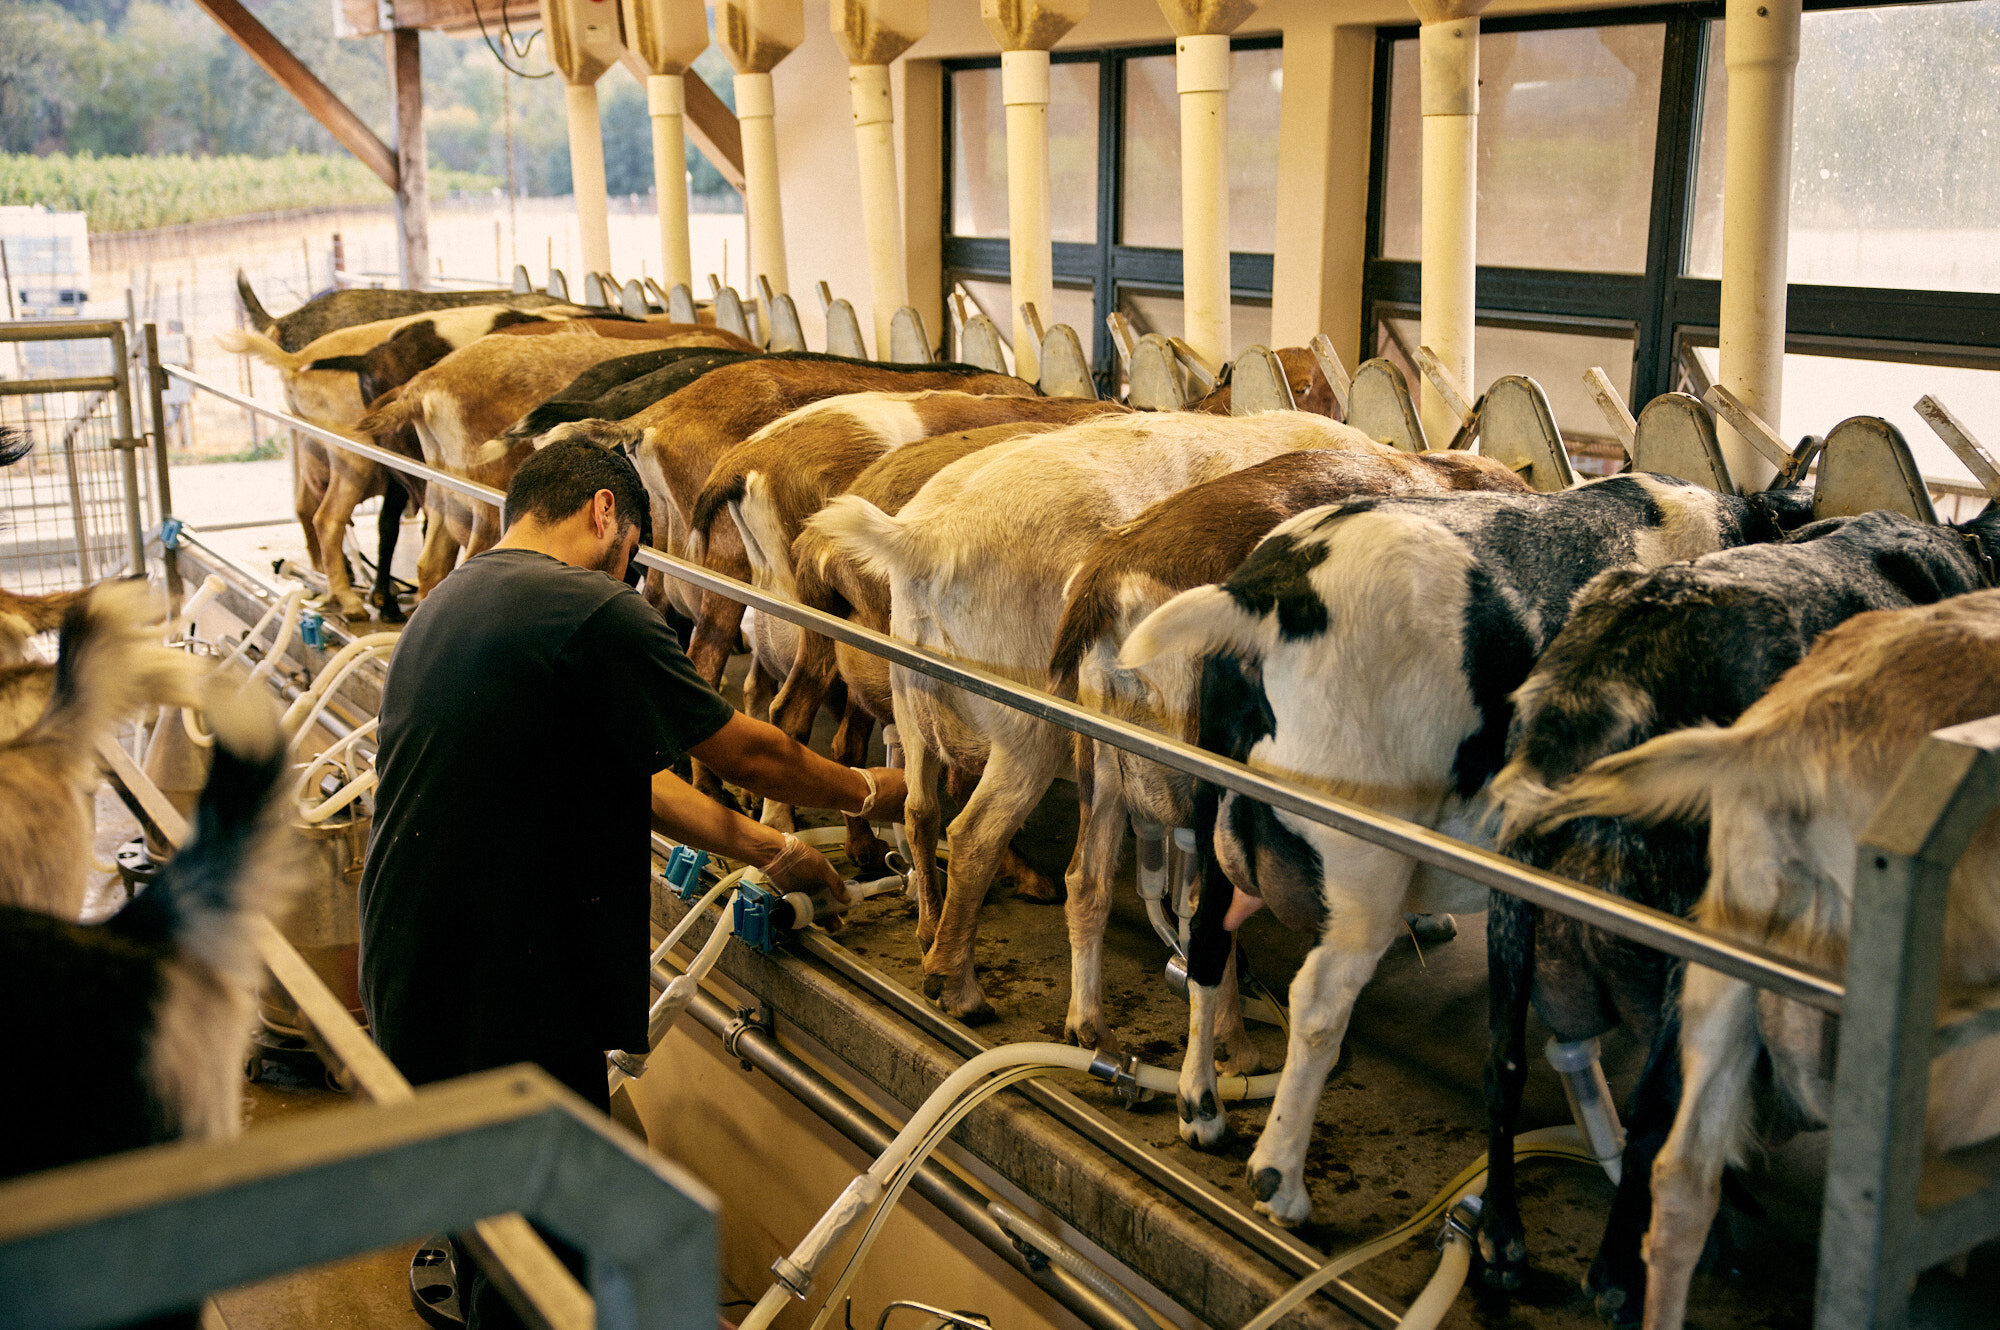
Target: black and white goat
1645, 653
1787, 791
1371, 649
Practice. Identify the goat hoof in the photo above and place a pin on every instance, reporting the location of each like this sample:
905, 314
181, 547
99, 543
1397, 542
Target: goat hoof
934, 986
1503, 1256
1431, 930
1202, 1133
1618, 1299
1264, 1183
392, 611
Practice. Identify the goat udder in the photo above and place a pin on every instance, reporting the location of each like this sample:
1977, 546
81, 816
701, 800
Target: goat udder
1241, 906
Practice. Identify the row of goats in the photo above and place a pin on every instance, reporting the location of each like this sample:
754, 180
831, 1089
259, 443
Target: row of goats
1692, 699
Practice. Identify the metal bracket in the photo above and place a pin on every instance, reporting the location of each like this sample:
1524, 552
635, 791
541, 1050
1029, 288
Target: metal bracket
1122, 1076
128, 445
1462, 1219
759, 1018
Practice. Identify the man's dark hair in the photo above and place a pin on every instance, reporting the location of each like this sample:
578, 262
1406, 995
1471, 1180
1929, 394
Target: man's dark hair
560, 479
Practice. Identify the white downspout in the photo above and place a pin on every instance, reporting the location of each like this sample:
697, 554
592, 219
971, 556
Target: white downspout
586, 173
756, 104
1024, 88
666, 104
1761, 50
1448, 52
881, 199
1201, 75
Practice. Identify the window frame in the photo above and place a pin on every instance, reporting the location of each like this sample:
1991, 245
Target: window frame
1103, 265
1665, 307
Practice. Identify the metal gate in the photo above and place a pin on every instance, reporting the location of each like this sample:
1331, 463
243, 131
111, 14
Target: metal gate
75, 510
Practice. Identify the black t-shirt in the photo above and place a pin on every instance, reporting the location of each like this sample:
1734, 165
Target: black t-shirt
505, 901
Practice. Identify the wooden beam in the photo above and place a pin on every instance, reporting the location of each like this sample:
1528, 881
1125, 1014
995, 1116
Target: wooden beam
413, 196
709, 122
347, 128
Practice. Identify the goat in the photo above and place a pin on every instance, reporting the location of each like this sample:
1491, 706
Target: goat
678, 440
110, 664
323, 384
22, 617
1310, 390
976, 564
1193, 538
653, 329
335, 310
1646, 653
784, 473
824, 578
1787, 790
619, 388
162, 992
1370, 648
468, 398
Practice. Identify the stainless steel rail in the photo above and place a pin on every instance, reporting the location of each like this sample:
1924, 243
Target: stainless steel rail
1599, 909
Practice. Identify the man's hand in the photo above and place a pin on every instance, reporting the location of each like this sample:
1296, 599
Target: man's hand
797, 866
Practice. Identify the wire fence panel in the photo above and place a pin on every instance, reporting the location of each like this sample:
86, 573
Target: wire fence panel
63, 508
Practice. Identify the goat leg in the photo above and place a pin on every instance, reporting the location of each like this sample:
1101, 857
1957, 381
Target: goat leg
865, 850
1203, 1121
349, 484
1617, 1278
1510, 970
1100, 845
388, 528
715, 636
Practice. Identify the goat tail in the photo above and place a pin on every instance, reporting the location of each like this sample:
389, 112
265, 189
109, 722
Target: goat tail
1518, 795
392, 411
14, 444
242, 342
252, 308
1089, 608
876, 541
1205, 621
241, 861
109, 664
708, 505
765, 540
1677, 775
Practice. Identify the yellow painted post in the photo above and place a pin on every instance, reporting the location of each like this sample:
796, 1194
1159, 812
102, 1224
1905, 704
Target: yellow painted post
1448, 56
873, 33
668, 35
1026, 29
756, 35
584, 41
1201, 75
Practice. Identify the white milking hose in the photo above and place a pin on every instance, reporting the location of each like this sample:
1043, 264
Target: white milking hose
263, 669
306, 708
1436, 1299
679, 989
679, 930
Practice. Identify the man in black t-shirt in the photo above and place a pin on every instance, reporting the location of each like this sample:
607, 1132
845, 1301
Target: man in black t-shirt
533, 708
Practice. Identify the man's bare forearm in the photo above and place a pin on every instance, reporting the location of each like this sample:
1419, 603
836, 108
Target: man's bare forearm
684, 814
765, 759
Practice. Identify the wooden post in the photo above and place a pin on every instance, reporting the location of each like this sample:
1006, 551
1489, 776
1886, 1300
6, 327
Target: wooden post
413, 190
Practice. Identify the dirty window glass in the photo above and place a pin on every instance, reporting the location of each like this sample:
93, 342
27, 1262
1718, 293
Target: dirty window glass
979, 153
1152, 169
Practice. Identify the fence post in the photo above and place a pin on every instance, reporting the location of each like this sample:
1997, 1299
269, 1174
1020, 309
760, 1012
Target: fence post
156, 410
128, 443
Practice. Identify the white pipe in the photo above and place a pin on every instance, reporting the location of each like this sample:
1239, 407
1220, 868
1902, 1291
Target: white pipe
881, 202
756, 103
306, 708
586, 173
678, 990
1201, 75
1761, 49
666, 103
1449, 56
1024, 87
1436, 1299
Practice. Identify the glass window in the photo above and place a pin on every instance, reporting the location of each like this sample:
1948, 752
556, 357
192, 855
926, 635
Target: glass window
1567, 120
1163, 313
979, 152
1555, 360
1152, 166
1895, 151
1823, 390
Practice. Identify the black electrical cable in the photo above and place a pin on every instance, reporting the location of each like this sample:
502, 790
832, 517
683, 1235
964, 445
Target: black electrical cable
506, 31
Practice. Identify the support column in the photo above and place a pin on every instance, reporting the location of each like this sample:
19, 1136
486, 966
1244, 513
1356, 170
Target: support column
1448, 53
756, 35
1761, 50
668, 36
873, 33
413, 193
1201, 76
584, 41
1026, 29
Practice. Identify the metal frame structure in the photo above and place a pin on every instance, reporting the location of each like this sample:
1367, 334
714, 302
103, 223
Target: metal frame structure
1106, 264
1877, 1232
1663, 307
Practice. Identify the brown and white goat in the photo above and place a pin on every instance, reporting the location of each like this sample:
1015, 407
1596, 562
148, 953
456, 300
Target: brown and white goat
824, 578
349, 308
653, 329
976, 564
1310, 390
784, 473
323, 384
163, 992
1788, 789
1194, 538
111, 664
677, 441
467, 399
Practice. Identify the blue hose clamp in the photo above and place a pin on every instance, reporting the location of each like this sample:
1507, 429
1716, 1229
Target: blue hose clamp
312, 630
683, 871
756, 904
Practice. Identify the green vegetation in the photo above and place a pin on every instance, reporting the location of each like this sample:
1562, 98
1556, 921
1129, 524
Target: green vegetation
267, 449
131, 193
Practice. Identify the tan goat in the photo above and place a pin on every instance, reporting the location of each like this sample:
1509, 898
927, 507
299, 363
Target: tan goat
1788, 789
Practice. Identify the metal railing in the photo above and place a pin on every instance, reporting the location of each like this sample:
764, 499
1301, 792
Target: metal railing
1878, 1233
